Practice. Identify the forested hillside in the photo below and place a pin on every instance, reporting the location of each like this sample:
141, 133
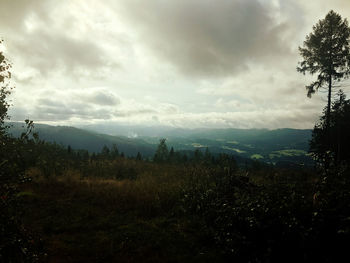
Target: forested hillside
87, 140
281, 147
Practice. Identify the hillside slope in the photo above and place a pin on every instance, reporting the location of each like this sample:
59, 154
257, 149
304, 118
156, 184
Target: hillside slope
88, 140
275, 146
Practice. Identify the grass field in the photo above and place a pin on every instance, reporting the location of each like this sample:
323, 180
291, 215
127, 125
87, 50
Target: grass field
99, 220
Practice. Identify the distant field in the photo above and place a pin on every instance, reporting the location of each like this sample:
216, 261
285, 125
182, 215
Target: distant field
256, 156
264, 145
288, 152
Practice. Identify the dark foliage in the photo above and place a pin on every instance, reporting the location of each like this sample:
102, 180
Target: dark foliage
326, 51
284, 220
17, 244
333, 150
162, 152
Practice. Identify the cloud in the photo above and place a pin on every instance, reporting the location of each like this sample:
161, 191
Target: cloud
48, 51
43, 37
99, 97
250, 119
47, 109
89, 104
14, 12
210, 38
188, 63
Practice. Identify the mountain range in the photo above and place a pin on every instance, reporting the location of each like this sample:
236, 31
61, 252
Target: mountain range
280, 145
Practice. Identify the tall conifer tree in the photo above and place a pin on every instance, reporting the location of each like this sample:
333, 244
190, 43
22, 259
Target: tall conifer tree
326, 52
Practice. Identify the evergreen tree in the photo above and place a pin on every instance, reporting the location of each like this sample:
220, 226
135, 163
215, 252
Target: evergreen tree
172, 156
162, 152
184, 158
207, 156
114, 151
336, 151
326, 52
138, 156
93, 157
69, 149
105, 152
198, 155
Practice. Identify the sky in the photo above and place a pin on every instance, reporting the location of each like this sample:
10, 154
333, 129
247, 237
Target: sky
180, 63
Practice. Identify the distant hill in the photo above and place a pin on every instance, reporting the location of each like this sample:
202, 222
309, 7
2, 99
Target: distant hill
88, 140
275, 146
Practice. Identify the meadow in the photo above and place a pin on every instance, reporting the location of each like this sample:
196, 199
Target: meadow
128, 210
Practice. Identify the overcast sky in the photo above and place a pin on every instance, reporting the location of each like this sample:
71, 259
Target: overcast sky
184, 63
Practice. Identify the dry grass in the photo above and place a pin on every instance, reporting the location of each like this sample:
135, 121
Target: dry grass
90, 219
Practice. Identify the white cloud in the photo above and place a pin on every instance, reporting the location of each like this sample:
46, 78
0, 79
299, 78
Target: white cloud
206, 38
188, 63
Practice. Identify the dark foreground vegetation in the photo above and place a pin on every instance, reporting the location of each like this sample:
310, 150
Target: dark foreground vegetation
119, 209
62, 205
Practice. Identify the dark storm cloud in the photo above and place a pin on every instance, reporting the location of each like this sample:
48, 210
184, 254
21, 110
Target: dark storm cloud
89, 105
49, 46
210, 37
47, 51
14, 12
102, 98
47, 109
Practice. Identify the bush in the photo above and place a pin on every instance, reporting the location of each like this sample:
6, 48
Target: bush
272, 222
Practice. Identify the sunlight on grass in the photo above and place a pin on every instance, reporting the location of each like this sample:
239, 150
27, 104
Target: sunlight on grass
256, 156
288, 152
233, 149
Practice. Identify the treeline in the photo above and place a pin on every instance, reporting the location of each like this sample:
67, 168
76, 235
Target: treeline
53, 159
262, 215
